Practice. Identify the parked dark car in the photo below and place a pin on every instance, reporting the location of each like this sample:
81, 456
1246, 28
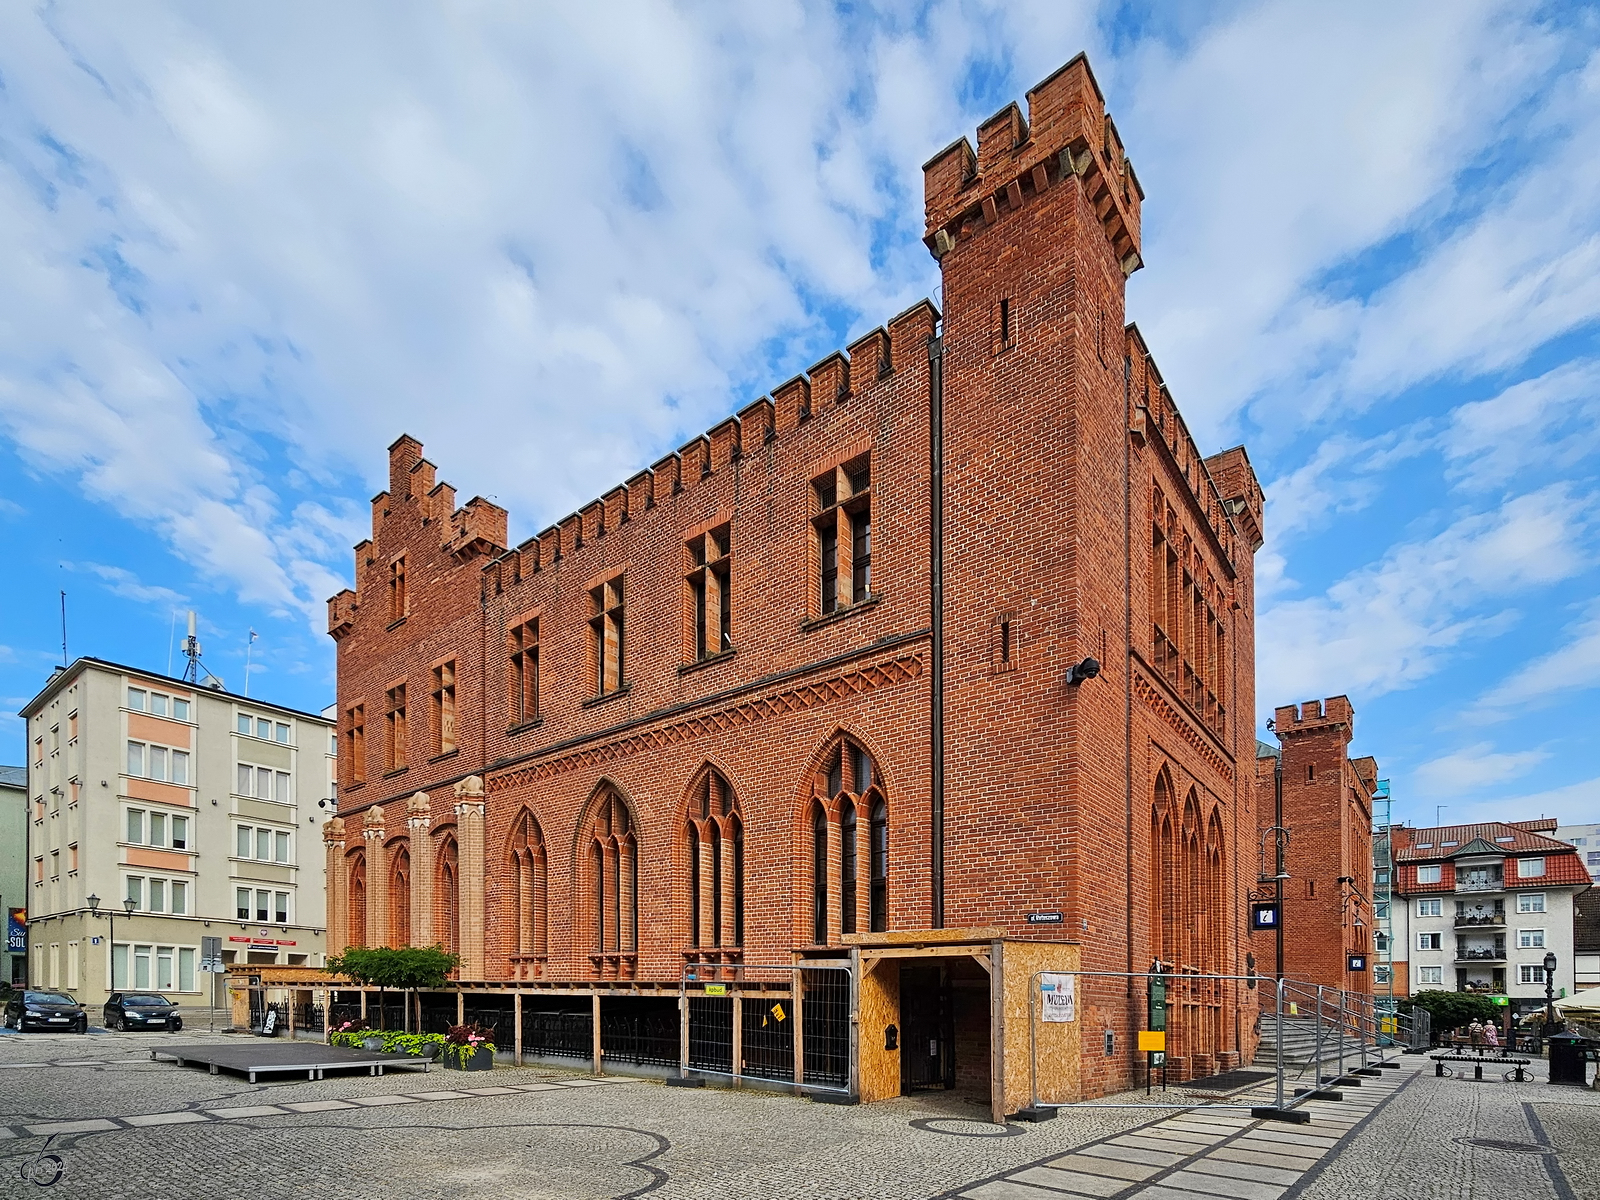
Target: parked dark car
141, 1010
45, 1010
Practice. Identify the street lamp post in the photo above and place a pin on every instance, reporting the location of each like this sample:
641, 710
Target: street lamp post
1549, 992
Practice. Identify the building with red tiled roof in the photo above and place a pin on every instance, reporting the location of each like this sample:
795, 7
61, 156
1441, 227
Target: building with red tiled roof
1478, 907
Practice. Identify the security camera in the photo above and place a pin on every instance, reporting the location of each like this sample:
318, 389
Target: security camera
1087, 669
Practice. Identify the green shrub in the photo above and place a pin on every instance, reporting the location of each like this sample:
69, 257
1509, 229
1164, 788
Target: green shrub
394, 1042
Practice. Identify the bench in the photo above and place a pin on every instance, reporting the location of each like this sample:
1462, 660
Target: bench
1516, 1074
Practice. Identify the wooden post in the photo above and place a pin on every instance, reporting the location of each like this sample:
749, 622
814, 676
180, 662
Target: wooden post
855, 1022
796, 993
599, 1067
683, 1030
290, 993
461, 1007
363, 1005
738, 1037
997, 1033
516, 1020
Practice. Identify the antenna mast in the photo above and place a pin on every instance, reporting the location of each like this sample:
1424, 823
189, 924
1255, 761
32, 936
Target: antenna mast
195, 672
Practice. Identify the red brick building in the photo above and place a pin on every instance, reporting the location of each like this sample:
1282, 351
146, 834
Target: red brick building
1328, 915
810, 678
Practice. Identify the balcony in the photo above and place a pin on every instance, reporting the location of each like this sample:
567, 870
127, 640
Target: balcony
1494, 920
1493, 954
1479, 883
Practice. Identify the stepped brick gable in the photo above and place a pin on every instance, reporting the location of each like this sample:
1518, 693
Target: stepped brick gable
823, 673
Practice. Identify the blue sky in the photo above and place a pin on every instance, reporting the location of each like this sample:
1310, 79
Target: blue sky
244, 248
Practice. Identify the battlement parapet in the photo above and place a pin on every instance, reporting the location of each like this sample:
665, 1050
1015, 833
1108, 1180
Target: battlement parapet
1066, 137
1318, 716
831, 382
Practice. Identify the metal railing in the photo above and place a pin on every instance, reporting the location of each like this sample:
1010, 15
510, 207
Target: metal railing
799, 1031
1333, 1030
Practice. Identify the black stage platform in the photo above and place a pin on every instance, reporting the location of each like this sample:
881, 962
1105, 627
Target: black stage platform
265, 1057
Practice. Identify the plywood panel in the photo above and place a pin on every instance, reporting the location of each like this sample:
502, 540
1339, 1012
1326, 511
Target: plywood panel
880, 1008
1056, 1046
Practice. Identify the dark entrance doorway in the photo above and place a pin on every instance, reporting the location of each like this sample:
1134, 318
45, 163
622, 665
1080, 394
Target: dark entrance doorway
927, 1016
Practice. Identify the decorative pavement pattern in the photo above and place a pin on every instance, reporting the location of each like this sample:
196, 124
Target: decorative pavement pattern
1202, 1154
102, 1122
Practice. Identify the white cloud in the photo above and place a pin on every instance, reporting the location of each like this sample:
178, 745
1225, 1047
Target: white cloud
1571, 667
1473, 769
1575, 803
1281, 144
122, 582
1550, 422
1390, 625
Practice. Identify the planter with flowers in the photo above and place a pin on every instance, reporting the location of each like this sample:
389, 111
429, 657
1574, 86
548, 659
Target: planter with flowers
468, 1048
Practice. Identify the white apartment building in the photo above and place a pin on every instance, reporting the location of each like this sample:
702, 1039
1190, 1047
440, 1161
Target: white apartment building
1586, 839
161, 813
1477, 908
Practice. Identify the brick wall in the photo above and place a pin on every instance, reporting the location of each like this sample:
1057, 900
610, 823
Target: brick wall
1327, 806
1062, 454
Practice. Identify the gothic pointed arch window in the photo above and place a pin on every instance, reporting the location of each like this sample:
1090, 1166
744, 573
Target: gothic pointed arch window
714, 828
613, 869
400, 896
848, 829
449, 894
358, 899
530, 879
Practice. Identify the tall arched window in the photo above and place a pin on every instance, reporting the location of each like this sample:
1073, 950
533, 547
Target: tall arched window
530, 889
819, 874
614, 875
358, 899
845, 794
715, 829
400, 897
449, 893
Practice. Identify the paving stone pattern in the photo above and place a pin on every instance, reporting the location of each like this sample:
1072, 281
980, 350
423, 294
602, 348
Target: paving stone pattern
1201, 1154
124, 1126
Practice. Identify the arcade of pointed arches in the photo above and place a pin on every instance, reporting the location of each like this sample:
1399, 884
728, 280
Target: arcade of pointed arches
1188, 906
843, 885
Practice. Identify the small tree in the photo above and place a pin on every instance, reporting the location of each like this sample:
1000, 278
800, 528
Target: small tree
403, 968
1451, 1010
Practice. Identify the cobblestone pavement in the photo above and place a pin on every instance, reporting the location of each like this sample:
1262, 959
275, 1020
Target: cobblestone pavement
124, 1126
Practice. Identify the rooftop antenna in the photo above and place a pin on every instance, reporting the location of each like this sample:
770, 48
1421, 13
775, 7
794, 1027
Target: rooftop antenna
63, 628
1437, 809
196, 671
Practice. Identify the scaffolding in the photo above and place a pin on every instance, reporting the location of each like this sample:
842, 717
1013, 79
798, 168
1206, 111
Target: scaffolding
1382, 895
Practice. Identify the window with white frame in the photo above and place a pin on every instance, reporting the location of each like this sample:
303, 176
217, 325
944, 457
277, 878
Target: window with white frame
261, 904
1428, 874
263, 783
1428, 941
1382, 973
153, 827
158, 894
1530, 939
1530, 868
153, 967
1430, 975
1530, 902
262, 843
158, 704
1531, 974
1430, 908
263, 728
149, 761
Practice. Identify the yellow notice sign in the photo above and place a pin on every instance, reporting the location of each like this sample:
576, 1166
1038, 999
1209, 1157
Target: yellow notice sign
777, 1011
716, 989
1152, 1041
1294, 1009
